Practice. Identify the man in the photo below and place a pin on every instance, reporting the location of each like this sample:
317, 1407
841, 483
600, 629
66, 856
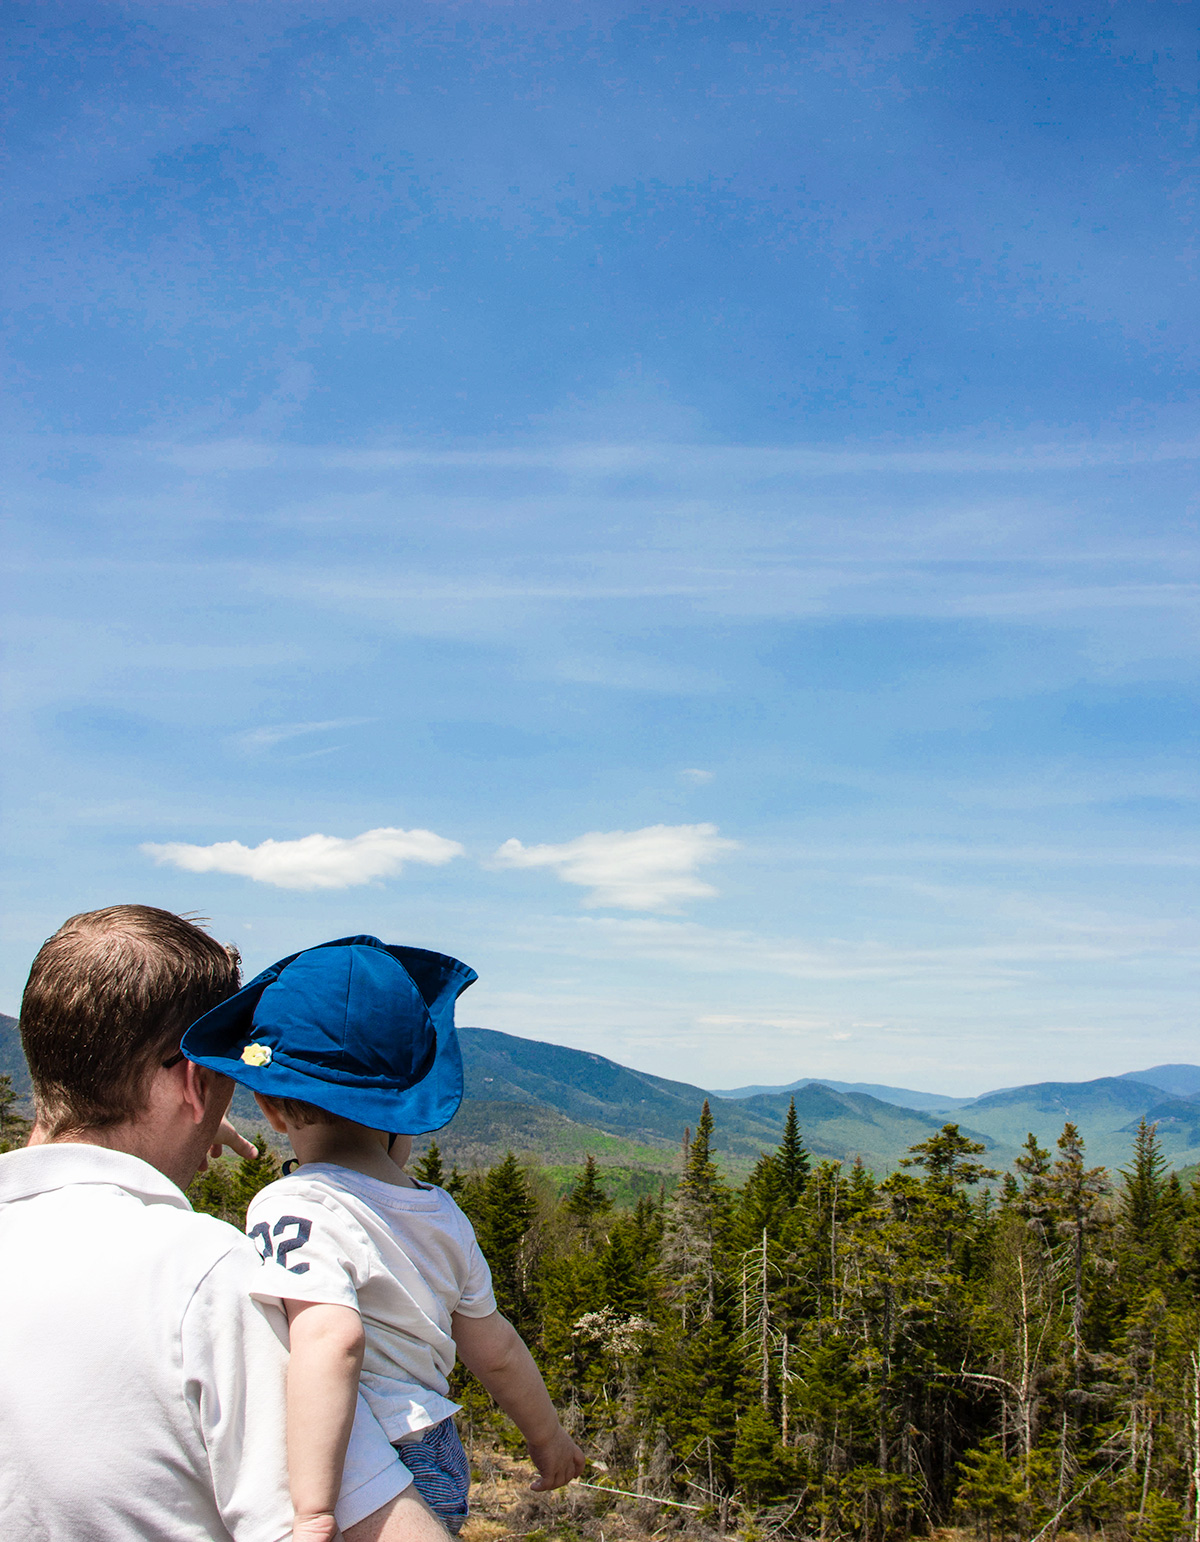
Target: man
142, 1389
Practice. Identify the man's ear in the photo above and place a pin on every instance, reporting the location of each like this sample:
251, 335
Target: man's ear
199, 1084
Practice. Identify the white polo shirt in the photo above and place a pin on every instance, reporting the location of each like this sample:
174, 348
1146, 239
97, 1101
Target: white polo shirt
142, 1387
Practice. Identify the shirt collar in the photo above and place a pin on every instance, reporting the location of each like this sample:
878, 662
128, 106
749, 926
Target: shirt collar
60, 1165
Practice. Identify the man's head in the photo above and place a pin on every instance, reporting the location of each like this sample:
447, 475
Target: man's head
106, 1004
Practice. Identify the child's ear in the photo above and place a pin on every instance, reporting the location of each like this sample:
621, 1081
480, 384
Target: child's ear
271, 1113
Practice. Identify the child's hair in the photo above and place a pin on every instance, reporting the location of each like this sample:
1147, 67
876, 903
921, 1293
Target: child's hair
300, 1113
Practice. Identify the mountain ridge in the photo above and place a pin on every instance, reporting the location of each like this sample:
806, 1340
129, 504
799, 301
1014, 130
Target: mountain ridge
559, 1103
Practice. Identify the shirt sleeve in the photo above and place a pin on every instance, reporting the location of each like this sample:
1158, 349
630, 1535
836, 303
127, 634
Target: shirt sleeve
312, 1249
477, 1298
373, 1474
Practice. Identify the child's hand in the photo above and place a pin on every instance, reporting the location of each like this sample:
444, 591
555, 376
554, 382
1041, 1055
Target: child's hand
557, 1460
317, 1527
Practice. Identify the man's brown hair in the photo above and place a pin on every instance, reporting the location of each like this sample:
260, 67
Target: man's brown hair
108, 999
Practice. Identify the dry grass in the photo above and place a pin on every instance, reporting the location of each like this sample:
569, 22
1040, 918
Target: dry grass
503, 1508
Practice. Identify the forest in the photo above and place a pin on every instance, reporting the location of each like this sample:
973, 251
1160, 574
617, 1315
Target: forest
821, 1354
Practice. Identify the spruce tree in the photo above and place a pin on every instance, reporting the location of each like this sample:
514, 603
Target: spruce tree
428, 1168
587, 1200
251, 1175
211, 1193
700, 1182
946, 1160
1144, 1189
505, 1212
14, 1127
622, 1274
792, 1159
1077, 1192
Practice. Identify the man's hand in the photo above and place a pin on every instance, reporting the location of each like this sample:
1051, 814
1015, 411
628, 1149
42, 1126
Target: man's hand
240, 1146
557, 1460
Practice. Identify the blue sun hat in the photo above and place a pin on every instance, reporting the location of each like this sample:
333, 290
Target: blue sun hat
357, 1027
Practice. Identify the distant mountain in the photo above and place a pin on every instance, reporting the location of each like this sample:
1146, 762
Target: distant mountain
1106, 1111
593, 1090
1181, 1081
612, 1098
12, 1058
844, 1126
560, 1104
902, 1097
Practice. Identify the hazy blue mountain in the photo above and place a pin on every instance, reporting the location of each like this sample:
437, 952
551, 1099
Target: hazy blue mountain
902, 1097
846, 1125
1106, 1111
1181, 1081
12, 1059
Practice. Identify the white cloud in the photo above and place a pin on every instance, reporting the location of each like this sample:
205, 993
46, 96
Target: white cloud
694, 774
650, 869
258, 740
313, 861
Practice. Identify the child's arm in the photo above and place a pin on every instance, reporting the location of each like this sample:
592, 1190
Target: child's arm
322, 1390
491, 1349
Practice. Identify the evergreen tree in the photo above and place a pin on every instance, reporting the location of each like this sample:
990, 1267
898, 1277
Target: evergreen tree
14, 1127
428, 1168
211, 1193
700, 1181
868, 1360
587, 1201
1076, 1192
792, 1160
946, 1160
251, 1175
505, 1212
1144, 1193
622, 1274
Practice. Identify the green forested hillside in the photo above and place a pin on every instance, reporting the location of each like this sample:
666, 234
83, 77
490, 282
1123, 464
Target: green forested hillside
818, 1353
1107, 1110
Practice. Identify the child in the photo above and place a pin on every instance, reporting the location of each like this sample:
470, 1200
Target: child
341, 1045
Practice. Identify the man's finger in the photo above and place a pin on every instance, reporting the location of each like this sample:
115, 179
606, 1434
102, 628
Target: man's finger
238, 1144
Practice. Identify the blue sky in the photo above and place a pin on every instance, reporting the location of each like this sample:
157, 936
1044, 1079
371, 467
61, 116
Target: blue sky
695, 505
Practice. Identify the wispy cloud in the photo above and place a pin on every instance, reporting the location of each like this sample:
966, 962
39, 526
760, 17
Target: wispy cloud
256, 741
973, 967
695, 774
592, 459
313, 861
649, 869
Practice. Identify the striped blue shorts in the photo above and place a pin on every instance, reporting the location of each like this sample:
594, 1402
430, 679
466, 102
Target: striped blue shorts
441, 1472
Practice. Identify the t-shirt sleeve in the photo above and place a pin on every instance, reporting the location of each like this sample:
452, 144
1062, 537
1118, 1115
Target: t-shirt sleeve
477, 1298
373, 1474
312, 1249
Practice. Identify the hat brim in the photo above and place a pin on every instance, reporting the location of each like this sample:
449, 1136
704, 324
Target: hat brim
218, 1039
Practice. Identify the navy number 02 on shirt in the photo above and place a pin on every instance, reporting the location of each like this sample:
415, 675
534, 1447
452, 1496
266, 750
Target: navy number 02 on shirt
261, 1235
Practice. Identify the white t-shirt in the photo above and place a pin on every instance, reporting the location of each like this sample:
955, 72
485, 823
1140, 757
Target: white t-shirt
142, 1365
406, 1258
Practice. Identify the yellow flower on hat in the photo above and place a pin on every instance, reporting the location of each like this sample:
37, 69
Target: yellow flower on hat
257, 1054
